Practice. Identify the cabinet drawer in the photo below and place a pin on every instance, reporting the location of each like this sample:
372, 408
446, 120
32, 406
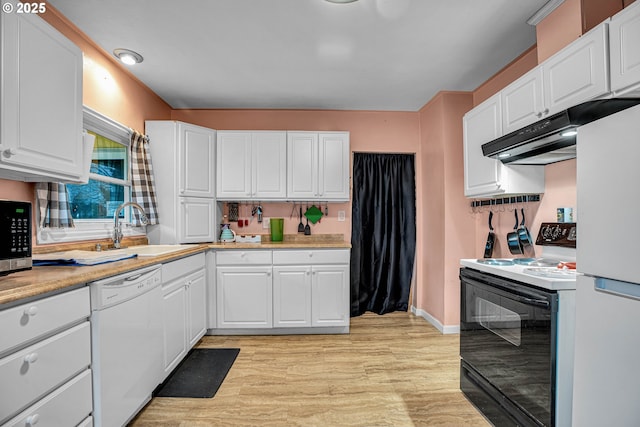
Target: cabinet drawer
182, 267
67, 406
315, 256
53, 362
239, 257
29, 321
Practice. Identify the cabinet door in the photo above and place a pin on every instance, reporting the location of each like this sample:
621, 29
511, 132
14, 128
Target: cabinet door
41, 111
244, 297
196, 163
291, 296
196, 220
269, 165
174, 316
333, 166
302, 165
577, 73
624, 39
481, 125
233, 165
522, 102
330, 295
197, 303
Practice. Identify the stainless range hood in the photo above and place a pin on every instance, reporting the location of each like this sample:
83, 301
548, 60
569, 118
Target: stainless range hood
552, 139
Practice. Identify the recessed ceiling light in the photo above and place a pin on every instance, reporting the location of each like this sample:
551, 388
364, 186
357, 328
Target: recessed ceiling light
504, 155
127, 56
341, 1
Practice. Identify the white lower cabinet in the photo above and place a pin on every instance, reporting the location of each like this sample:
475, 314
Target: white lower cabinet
244, 296
330, 295
291, 296
184, 308
311, 288
45, 374
282, 291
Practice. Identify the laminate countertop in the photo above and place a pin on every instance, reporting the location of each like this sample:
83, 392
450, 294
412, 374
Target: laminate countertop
42, 280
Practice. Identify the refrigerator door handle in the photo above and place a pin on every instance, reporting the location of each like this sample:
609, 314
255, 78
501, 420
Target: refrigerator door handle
618, 288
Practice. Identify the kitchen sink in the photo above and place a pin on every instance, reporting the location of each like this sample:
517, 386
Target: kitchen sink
155, 250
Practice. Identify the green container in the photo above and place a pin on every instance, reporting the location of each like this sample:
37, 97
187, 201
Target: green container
277, 226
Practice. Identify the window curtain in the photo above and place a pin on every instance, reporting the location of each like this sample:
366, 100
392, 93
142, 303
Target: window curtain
143, 190
383, 236
53, 204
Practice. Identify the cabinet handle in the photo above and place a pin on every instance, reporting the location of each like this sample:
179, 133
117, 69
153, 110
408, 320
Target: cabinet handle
310, 254
308, 272
242, 254
31, 358
546, 111
31, 311
268, 274
32, 420
10, 152
539, 114
182, 191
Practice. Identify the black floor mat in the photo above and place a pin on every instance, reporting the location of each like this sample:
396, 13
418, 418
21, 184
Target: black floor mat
200, 374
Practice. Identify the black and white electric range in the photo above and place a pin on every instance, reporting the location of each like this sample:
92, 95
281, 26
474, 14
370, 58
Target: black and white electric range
516, 333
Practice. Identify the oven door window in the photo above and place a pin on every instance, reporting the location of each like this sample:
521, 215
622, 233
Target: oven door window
501, 321
510, 343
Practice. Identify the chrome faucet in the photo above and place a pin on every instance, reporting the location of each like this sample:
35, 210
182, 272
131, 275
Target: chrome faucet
117, 228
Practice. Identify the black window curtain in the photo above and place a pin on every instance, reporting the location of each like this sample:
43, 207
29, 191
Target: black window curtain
383, 236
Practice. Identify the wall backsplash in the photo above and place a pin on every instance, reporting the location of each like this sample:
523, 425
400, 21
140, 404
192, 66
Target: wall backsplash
327, 225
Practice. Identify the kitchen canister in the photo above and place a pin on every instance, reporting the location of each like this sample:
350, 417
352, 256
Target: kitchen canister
277, 226
565, 214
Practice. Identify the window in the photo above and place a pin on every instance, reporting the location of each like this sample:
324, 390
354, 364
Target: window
94, 203
108, 185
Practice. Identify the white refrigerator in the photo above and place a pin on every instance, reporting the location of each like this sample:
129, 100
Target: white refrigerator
607, 342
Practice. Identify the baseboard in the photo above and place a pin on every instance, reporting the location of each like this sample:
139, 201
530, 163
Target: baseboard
444, 329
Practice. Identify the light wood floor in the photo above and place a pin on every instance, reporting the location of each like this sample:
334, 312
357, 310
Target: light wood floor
391, 370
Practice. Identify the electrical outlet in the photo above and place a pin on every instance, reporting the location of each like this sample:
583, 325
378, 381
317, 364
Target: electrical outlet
341, 216
266, 222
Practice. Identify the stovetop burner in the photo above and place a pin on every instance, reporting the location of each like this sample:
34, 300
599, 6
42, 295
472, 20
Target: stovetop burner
496, 261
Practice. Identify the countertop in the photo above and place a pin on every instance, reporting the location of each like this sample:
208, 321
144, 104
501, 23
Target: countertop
24, 285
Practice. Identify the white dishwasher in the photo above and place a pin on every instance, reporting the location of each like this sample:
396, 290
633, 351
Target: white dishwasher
126, 344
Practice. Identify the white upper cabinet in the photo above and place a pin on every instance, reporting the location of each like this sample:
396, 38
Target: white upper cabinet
40, 102
578, 73
574, 75
522, 101
196, 154
484, 176
318, 166
251, 165
183, 158
481, 125
624, 42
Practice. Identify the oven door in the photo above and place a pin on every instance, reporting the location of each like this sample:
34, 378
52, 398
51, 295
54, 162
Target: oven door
507, 336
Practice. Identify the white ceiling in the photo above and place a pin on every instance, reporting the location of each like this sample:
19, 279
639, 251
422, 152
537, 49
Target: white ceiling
309, 54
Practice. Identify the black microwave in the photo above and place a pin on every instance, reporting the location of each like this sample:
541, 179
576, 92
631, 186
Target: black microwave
15, 236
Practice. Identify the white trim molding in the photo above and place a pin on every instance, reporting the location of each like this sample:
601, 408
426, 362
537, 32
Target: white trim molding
544, 11
444, 329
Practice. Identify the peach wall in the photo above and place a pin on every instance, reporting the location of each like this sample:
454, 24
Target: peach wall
448, 225
596, 11
560, 28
